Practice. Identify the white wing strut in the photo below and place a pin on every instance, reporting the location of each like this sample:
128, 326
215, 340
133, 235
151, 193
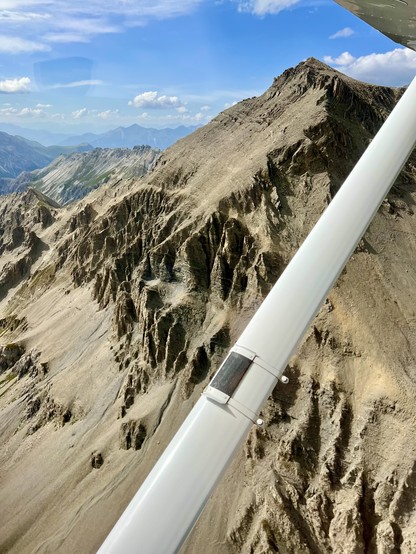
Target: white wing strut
166, 507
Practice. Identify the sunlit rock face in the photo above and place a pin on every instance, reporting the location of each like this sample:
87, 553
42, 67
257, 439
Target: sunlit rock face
126, 302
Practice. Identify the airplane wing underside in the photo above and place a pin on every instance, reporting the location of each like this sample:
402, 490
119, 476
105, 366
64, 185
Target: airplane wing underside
394, 18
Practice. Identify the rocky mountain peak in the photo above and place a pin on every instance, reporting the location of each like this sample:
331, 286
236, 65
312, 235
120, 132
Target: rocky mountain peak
34, 197
312, 70
302, 123
317, 74
368, 103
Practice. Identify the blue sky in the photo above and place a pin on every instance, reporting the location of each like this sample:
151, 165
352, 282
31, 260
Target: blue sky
77, 66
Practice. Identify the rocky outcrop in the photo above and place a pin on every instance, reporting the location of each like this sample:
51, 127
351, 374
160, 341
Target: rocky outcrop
10, 354
20, 215
30, 364
14, 357
132, 435
147, 283
15, 271
24, 218
97, 460
42, 408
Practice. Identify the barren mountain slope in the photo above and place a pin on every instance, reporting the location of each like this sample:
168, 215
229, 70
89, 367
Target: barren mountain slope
139, 290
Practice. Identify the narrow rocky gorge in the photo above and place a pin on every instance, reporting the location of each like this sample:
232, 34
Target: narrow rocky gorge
125, 304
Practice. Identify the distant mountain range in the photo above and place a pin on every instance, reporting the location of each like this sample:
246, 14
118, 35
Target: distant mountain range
23, 150
39, 135
18, 154
127, 137
122, 137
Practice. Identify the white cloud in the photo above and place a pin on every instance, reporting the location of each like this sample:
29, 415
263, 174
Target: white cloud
74, 84
263, 7
343, 33
16, 45
8, 111
394, 68
23, 112
80, 21
77, 114
21, 84
107, 114
7, 16
343, 59
168, 119
205, 108
43, 106
65, 38
152, 100
16, 4
31, 112
186, 118
182, 109
72, 29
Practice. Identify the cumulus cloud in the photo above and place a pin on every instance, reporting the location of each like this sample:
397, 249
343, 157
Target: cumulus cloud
263, 7
23, 112
77, 114
17, 45
21, 84
205, 108
8, 111
151, 100
43, 106
186, 118
394, 68
198, 117
343, 33
107, 114
343, 59
31, 112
